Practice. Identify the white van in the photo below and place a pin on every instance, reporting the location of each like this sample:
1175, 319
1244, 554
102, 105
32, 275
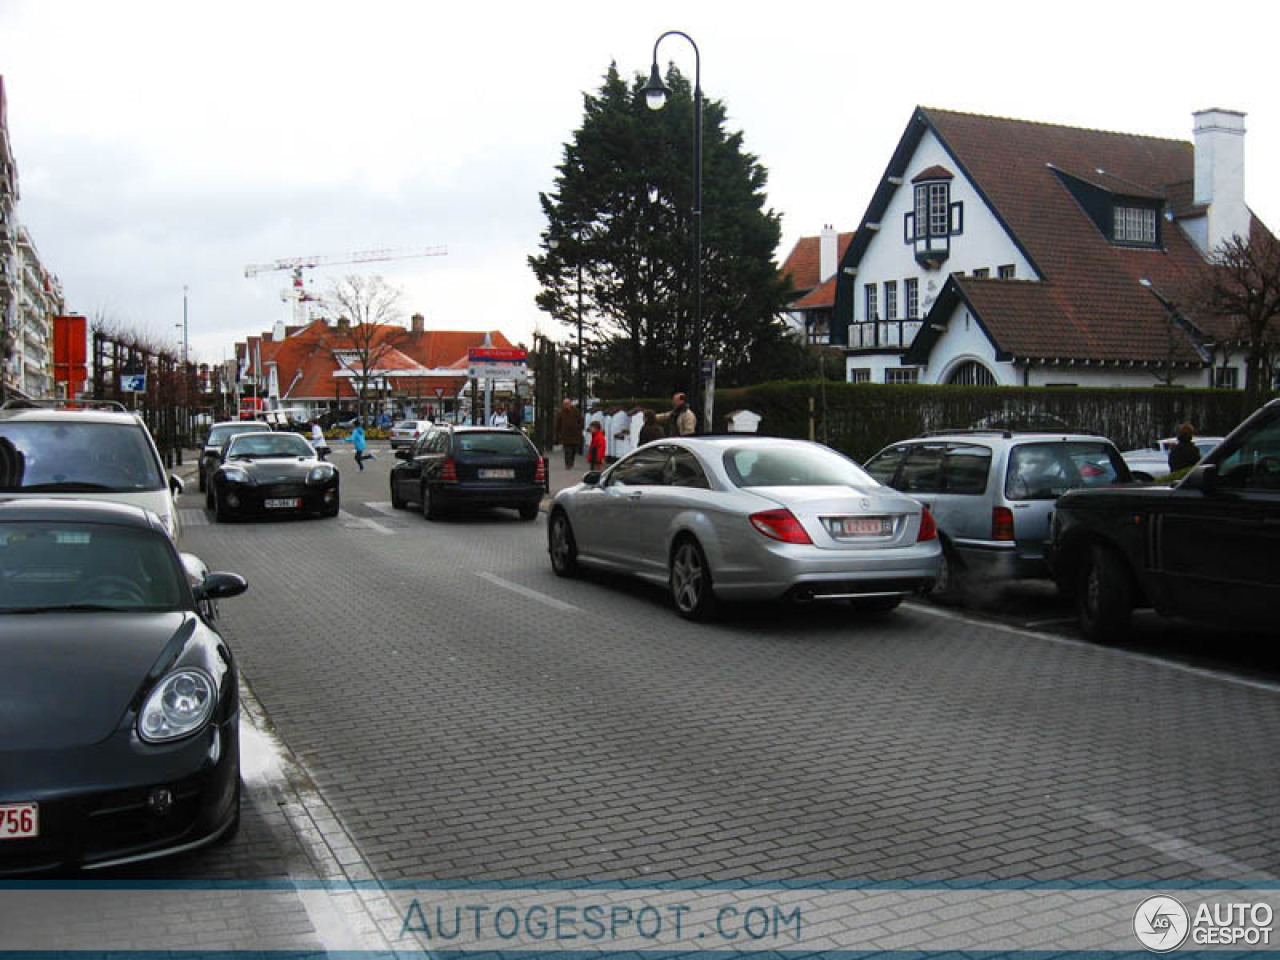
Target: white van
85, 454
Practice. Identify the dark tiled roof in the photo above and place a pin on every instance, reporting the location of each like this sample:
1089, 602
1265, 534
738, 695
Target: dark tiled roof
1090, 304
935, 172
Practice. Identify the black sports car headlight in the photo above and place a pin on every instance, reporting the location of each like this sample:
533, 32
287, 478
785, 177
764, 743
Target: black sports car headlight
179, 705
236, 475
321, 473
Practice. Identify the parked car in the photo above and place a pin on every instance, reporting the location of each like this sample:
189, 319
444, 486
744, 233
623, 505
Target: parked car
406, 432
451, 467
216, 442
992, 493
93, 454
1148, 463
1204, 549
271, 474
746, 518
119, 740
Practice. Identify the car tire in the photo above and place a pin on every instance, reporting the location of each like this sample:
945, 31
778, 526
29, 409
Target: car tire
430, 505
876, 604
202, 481
949, 589
562, 546
528, 511
1104, 600
397, 501
690, 581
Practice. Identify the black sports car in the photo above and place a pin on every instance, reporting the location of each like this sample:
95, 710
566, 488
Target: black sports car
272, 473
118, 699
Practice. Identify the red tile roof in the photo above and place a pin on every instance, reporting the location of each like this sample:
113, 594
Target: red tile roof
823, 296
306, 363
935, 172
803, 264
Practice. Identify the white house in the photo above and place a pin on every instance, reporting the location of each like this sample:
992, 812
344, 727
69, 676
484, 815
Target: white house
999, 251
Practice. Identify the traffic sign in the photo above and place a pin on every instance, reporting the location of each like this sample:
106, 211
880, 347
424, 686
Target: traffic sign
439, 393
133, 383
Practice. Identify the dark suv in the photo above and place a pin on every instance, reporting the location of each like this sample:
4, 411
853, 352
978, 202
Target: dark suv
450, 467
1205, 549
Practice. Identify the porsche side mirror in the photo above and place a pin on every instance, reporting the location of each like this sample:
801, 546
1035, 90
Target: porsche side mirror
218, 586
592, 478
176, 485
404, 453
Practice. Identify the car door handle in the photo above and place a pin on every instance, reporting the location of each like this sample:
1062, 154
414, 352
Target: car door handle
635, 494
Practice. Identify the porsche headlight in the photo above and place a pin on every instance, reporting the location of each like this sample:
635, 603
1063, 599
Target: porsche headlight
236, 475
321, 473
179, 705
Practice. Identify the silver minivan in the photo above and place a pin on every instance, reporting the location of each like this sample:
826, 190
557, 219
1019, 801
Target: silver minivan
992, 493
90, 454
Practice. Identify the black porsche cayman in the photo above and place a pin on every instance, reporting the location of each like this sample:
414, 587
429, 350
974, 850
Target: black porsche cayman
272, 473
118, 699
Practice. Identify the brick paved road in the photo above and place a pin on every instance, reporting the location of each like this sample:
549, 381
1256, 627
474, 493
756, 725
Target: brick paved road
468, 715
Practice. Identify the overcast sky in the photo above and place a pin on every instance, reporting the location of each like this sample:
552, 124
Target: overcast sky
172, 143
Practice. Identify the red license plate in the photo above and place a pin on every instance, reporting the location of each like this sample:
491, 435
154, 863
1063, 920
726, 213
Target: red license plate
19, 820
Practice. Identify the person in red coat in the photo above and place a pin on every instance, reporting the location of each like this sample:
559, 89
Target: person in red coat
596, 448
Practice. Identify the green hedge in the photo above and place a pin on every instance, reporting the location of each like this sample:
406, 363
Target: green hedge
860, 419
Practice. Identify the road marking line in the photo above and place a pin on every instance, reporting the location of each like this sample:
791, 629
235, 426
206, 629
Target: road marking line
384, 506
351, 520
526, 592
193, 517
1204, 672
1176, 847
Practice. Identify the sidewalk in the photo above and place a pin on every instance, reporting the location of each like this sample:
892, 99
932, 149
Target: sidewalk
557, 476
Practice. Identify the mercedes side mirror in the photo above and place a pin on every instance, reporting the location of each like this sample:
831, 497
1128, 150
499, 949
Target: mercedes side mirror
176, 485
592, 478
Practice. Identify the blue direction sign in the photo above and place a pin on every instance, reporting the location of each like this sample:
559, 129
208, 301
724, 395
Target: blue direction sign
133, 383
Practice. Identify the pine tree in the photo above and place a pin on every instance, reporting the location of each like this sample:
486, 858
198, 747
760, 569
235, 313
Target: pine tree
619, 236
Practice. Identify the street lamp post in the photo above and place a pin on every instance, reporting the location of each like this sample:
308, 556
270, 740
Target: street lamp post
656, 94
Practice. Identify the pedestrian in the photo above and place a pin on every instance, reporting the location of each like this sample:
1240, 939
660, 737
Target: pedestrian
651, 430
358, 441
318, 441
596, 449
515, 413
680, 420
1184, 454
569, 431
498, 418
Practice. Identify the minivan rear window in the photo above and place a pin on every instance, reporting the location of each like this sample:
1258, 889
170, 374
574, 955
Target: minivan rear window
1045, 471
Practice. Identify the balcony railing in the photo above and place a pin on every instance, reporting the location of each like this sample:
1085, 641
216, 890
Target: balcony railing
896, 334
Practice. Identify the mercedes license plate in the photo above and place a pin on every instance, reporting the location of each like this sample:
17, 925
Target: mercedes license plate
287, 504
497, 474
861, 526
19, 820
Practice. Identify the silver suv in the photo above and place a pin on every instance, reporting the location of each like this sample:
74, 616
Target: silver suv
992, 493
88, 454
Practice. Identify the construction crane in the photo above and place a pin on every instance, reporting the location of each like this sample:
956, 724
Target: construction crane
298, 292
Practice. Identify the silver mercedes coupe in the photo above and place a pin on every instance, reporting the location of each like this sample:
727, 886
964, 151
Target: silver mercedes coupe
746, 518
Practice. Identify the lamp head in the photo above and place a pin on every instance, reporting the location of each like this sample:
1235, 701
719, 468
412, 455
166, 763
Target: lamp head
655, 91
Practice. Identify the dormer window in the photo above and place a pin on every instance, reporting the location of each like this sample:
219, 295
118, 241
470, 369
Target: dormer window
1135, 225
934, 220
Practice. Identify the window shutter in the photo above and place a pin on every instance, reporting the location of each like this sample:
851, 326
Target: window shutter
908, 228
957, 218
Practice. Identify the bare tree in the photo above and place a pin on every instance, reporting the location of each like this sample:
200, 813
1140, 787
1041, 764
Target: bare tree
368, 310
1242, 283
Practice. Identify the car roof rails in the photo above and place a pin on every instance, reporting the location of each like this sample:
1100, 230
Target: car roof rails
968, 432
26, 403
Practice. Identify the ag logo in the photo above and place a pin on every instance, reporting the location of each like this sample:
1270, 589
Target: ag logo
1161, 924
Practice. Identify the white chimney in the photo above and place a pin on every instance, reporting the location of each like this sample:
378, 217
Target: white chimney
1219, 184
827, 254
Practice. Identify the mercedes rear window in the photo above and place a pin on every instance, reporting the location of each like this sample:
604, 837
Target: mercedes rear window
503, 444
